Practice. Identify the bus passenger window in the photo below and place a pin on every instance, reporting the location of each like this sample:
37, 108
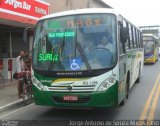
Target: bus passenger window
136, 39
128, 36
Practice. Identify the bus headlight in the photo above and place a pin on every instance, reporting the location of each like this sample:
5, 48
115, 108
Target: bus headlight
107, 83
37, 83
112, 80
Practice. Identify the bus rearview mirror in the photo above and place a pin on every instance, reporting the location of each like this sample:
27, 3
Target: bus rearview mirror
25, 34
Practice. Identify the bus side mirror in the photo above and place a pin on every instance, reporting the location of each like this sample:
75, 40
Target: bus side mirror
123, 34
25, 34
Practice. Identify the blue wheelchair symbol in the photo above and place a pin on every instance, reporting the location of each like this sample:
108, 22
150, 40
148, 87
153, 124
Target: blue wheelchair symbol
75, 64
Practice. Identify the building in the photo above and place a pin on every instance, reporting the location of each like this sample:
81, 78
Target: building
15, 15
63, 5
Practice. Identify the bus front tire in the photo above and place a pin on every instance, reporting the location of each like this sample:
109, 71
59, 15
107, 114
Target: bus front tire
126, 93
139, 75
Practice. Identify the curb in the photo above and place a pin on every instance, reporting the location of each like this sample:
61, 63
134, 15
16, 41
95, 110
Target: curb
12, 105
15, 104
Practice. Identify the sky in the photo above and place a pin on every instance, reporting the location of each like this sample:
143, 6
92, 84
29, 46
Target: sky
139, 12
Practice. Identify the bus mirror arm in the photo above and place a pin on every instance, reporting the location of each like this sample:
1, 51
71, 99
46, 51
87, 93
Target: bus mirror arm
25, 34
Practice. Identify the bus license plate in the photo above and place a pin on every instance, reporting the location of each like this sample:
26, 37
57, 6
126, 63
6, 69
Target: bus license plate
70, 98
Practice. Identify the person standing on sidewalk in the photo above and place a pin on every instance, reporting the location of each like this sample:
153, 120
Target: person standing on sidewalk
21, 67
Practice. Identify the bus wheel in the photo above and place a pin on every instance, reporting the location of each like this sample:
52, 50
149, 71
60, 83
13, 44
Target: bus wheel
139, 76
126, 92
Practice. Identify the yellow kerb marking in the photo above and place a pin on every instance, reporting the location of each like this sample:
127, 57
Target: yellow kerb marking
153, 108
143, 114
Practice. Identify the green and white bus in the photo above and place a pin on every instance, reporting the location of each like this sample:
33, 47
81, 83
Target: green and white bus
151, 48
70, 69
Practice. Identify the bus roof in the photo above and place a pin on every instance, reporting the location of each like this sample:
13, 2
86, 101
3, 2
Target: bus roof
81, 11
150, 35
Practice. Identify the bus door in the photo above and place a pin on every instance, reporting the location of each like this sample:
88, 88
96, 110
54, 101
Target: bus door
122, 66
132, 53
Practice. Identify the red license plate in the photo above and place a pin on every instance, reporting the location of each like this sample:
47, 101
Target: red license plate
70, 98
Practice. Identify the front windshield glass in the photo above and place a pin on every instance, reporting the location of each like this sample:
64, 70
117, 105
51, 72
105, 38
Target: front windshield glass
148, 46
75, 43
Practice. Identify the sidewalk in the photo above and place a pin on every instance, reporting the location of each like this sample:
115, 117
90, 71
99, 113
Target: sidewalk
9, 95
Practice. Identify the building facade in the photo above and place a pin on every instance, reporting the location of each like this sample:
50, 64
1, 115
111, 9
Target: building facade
63, 5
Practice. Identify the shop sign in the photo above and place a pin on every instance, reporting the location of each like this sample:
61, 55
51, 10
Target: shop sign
30, 7
0, 2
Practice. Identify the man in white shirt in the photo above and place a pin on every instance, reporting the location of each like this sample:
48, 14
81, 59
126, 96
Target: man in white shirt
21, 67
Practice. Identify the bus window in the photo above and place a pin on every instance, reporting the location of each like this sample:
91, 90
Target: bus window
129, 44
136, 39
120, 43
139, 44
140, 40
130, 35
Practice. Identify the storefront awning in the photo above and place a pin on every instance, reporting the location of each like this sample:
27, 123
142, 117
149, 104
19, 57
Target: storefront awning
21, 12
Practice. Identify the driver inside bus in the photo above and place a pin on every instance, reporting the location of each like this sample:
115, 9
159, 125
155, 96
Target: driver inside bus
90, 45
106, 43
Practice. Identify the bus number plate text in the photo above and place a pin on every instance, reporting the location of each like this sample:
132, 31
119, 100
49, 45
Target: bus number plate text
70, 98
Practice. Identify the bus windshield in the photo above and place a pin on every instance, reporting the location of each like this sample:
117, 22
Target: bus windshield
75, 43
149, 47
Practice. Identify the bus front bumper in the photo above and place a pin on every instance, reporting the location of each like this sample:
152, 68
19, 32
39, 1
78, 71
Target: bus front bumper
108, 98
149, 60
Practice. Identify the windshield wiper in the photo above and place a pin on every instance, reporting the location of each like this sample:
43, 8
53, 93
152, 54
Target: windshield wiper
77, 44
83, 56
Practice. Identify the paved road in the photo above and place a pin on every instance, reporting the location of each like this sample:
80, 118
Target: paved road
140, 94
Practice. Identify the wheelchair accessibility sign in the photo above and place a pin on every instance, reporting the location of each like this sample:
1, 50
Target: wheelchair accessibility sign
75, 64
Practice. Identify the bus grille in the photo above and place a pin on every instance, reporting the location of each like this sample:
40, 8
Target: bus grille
75, 88
83, 99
